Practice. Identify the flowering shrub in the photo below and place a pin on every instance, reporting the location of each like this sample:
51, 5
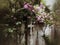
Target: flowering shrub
40, 11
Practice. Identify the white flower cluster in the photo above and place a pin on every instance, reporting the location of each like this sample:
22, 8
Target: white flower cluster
41, 15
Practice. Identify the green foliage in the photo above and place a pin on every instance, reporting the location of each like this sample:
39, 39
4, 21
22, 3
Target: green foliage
48, 22
43, 1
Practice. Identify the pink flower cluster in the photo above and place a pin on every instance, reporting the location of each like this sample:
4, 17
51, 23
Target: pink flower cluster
41, 5
32, 8
41, 18
28, 6
40, 14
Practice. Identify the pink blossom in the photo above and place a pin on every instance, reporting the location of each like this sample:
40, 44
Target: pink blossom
41, 5
26, 5
38, 18
30, 7
38, 9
